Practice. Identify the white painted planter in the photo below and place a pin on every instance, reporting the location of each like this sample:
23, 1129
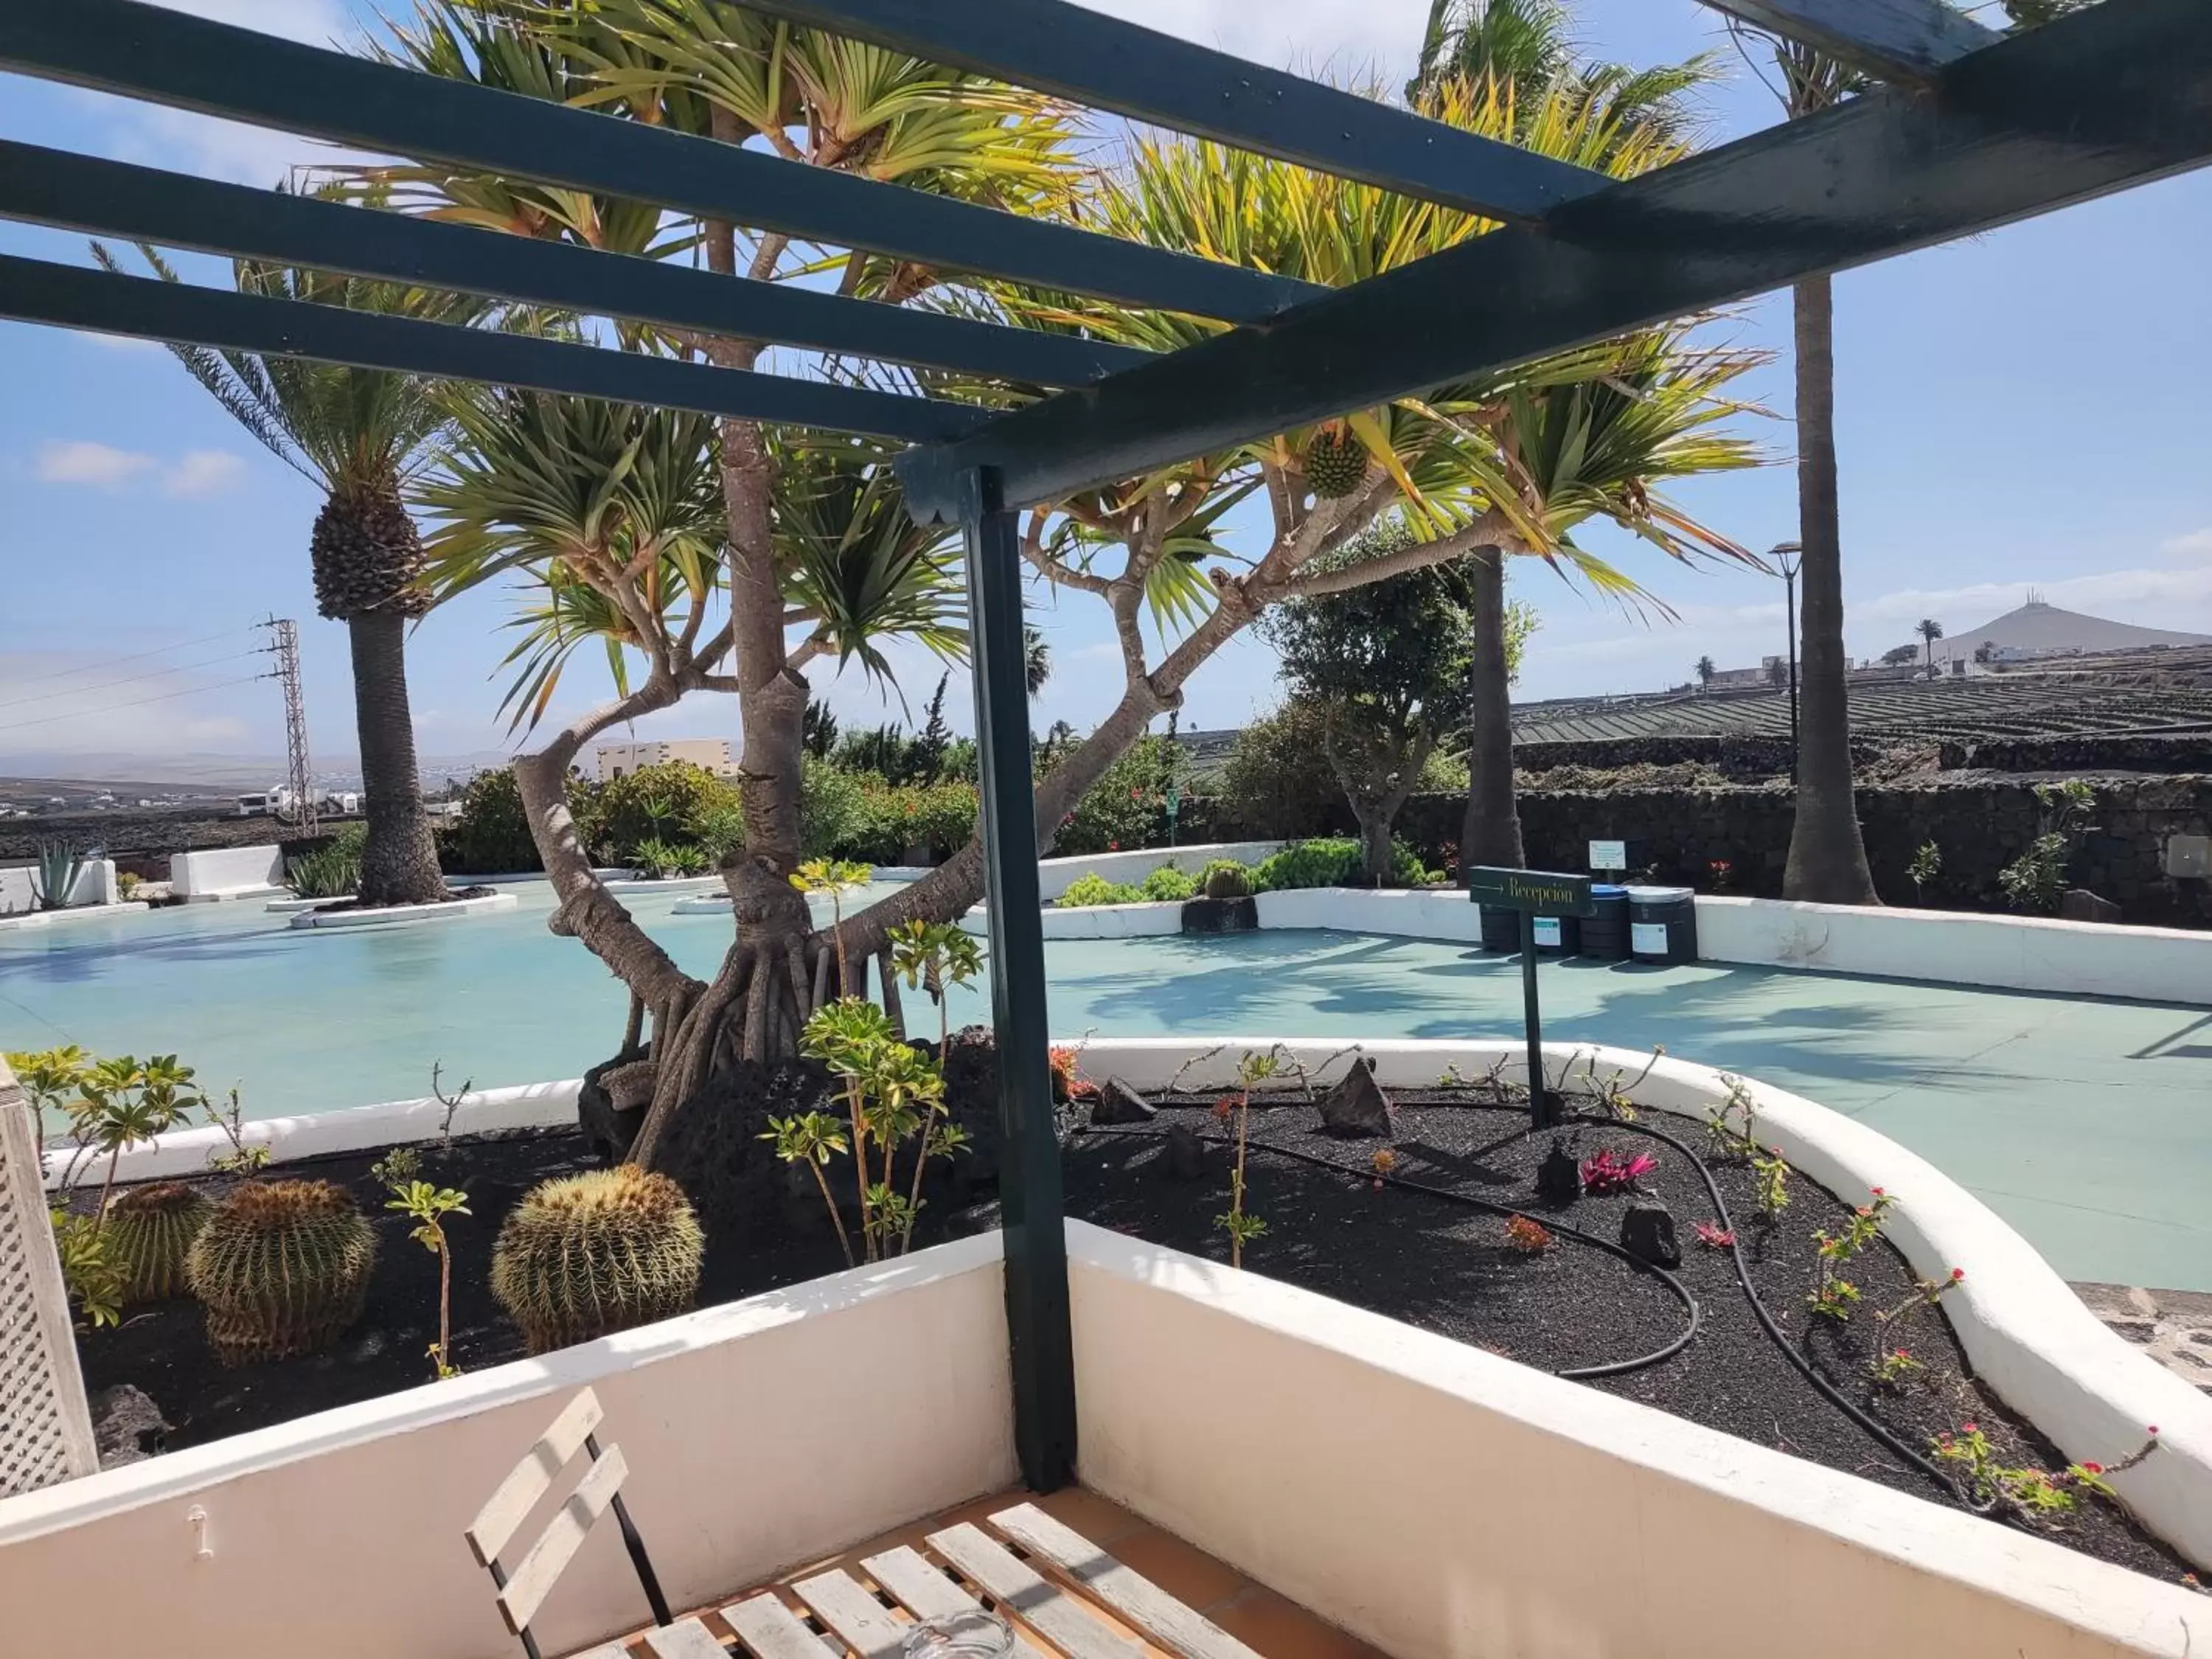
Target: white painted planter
638, 887
1105, 921
1054, 875
407, 915
218, 874
518, 878
2028, 1336
95, 886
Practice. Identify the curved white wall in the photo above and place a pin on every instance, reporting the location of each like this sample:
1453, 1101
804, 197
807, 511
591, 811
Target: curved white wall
2028, 1336
227, 872
1053, 875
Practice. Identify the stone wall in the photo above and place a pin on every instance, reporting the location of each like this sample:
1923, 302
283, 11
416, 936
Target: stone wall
2175, 752
1980, 824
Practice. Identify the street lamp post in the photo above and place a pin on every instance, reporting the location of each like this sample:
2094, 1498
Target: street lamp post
1786, 557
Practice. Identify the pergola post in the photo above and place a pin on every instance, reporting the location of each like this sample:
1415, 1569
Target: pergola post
1030, 1202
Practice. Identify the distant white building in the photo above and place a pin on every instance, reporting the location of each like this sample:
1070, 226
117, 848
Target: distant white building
712, 754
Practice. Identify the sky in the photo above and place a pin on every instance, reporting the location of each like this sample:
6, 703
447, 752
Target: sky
2023, 410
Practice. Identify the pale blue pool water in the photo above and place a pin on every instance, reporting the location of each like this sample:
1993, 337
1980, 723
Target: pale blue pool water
2087, 1124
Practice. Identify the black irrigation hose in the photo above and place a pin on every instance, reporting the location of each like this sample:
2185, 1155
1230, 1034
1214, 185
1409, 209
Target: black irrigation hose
1577, 1374
1873, 1424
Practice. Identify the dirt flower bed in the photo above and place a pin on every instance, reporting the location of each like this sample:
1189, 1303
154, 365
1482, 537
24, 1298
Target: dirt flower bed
1350, 1219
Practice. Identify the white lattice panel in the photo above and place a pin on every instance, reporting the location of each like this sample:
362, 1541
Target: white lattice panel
45, 1432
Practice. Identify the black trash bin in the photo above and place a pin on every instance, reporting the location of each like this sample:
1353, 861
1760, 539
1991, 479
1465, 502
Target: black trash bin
1558, 936
1605, 930
1501, 928
1662, 924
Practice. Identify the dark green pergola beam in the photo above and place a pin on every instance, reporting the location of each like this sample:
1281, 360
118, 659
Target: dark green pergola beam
1084, 56
2114, 96
74, 296
1905, 42
169, 57
113, 198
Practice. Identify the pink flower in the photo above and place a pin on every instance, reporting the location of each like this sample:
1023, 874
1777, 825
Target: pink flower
1113, 846
1957, 1273
1877, 1192
2093, 1468
2153, 1429
1970, 1428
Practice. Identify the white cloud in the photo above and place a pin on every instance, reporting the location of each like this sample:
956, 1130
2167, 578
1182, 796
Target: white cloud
1378, 36
101, 465
2194, 546
204, 473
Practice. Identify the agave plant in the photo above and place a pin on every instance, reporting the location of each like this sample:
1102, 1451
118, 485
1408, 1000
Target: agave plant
60, 866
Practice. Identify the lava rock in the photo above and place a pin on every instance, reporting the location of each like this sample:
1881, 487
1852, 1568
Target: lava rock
1213, 915
610, 1106
1356, 1105
127, 1426
1647, 1232
1186, 1156
1118, 1103
1559, 1176
2079, 904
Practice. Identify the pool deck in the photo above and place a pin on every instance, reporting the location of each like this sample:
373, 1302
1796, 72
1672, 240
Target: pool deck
2085, 1123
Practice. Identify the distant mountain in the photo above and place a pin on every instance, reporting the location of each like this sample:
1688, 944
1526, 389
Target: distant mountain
2037, 629
222, 774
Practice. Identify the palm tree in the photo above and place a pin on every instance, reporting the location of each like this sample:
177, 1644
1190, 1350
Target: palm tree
358, 436
1705, 671
1037, 659
1827, 854
1930, 631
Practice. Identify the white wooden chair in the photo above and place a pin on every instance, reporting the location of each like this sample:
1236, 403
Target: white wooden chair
523, 1590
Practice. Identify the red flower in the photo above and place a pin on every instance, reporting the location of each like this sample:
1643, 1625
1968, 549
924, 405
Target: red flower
1877, 1192
1957, 1273
2094, 1468
1136, 794
2153, 1429
1970, 1428
1113, 846
1225, 1107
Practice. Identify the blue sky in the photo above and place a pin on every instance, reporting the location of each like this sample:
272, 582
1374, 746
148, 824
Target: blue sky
2022, 409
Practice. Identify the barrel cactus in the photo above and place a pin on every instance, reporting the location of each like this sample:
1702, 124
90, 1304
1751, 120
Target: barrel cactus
283, 1268
1225, 878
585, 1254
149, 1228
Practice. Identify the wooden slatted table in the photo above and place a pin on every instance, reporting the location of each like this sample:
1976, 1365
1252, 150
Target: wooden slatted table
1066, 1597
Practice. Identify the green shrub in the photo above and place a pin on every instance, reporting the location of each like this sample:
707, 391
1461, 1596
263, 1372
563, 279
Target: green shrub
659, 860
1087, 890
1331, 863
585, 1254
1168, 884
936, 819
833, 811
332, 871
667, 803
1225, 878
282, 1268
150, 1229
1126, 808
490, 836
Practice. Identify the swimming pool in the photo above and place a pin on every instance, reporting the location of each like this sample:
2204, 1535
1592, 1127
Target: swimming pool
2085, 1123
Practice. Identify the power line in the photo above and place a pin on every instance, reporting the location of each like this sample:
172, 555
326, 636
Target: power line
164, 697
137, 656
134, 679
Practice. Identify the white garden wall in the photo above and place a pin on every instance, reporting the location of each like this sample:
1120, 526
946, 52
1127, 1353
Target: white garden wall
759, 1436
1053, 875
1443, 1503
19, 886
227, 872
2028, 1336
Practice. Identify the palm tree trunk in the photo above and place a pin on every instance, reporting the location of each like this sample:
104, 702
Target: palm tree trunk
1828, 858
399, 865
1492, 832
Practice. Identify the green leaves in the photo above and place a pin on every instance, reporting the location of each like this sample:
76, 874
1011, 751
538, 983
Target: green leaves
807, 1137
934, 955
429, 1206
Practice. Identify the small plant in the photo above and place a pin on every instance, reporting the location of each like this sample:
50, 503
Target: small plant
2037, 880
935, 956
1771, 1182
1927, 865
1225, 878
1834, 1296
127, 883
282, 1268
1088, 891
60, 866
1239, 1223
1168, 885
96, 1280
581, 1255
834, 878
1607, 1171
150, 1229
1731, 1127
241, 1159
2031, 1494
332, 872
813, 1138
1926, 1293
427, 1205
1713, 1236
123, 1102
1894, 1370
1528, 1234
667, 860
49, 1077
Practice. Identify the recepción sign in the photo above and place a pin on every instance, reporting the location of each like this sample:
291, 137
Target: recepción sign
1546, 892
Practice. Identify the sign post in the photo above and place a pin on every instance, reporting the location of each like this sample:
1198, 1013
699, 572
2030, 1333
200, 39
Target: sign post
1533, 893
